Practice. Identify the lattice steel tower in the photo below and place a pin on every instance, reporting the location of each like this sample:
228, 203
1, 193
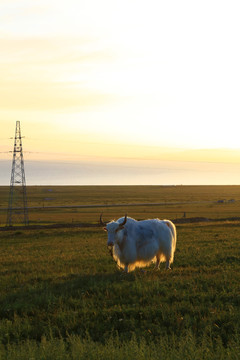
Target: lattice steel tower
17, 213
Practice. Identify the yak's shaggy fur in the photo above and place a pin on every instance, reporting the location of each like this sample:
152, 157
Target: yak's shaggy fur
138, 243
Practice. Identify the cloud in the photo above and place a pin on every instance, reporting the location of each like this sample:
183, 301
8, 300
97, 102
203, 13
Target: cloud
52, 49
43, 96
51, 73
102, 173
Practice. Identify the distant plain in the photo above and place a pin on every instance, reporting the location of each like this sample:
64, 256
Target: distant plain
178, 201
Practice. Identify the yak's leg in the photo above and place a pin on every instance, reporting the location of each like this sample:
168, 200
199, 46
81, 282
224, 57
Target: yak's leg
157, 262
126, 268
168, 265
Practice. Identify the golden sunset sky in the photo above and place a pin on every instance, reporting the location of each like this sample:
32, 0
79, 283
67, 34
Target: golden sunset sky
122, 82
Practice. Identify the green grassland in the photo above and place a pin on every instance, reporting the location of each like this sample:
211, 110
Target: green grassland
63, 297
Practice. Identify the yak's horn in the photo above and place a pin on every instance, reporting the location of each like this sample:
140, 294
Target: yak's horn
101, 222
124, 221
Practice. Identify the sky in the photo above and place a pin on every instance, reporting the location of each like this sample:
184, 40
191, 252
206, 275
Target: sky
121, 92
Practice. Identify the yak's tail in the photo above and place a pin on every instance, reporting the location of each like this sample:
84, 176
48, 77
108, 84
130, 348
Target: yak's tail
172, 227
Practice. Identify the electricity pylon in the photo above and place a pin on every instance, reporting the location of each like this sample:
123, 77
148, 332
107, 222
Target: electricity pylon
17, 213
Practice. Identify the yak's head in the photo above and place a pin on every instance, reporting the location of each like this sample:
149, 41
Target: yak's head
114, 230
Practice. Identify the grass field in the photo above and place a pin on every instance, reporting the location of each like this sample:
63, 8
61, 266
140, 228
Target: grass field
63, 297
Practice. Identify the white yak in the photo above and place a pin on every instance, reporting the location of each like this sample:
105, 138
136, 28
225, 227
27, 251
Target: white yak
138, 243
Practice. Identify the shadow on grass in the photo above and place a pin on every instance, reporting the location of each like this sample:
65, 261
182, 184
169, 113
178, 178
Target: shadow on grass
148, 304
73, 304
